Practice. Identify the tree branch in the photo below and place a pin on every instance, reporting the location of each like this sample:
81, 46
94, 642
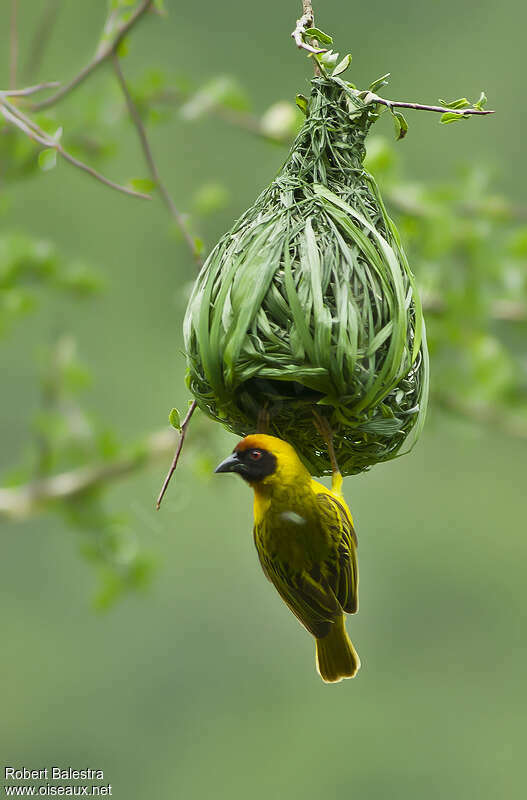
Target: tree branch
24, 501
305, 22
149, 158
106, 52
371, 97
28, 90
16, 117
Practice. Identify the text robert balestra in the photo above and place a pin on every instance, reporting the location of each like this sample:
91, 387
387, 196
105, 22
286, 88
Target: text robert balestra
52, 773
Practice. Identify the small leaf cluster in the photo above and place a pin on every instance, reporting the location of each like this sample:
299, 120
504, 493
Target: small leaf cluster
329, 65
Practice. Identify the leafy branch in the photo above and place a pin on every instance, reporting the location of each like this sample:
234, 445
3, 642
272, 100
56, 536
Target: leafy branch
116, 29
105, 52
328, 64
14, 116
51, 144
458, 109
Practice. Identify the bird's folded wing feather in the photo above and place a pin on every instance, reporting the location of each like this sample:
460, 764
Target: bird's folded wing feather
311, 600
344, 573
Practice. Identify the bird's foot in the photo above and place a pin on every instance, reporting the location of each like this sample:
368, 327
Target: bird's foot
264, 420
325, 430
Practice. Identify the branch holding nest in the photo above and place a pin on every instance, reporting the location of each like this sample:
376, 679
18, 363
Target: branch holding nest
371, 97
303, 24
14, 116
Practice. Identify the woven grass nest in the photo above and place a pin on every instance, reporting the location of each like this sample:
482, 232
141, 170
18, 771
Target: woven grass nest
308, 303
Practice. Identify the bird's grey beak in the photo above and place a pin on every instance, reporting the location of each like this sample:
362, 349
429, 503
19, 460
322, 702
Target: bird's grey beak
232, 464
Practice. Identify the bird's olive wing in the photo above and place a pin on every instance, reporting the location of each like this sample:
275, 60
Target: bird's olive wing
342, 568
309, 597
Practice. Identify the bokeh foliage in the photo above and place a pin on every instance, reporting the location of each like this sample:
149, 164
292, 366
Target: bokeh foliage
439, 571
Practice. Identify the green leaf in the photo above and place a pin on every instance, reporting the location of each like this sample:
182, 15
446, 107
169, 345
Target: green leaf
159, 5
328, 59
343, 65
175, 419
482, 102
449, 117
401, 125
47, 159
461, 103
382, 81
301, 101
320, 36
144, 185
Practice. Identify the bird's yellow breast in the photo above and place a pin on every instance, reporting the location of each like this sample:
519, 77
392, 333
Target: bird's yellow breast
288, 525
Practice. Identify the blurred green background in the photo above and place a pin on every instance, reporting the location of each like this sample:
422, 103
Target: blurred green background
204, 685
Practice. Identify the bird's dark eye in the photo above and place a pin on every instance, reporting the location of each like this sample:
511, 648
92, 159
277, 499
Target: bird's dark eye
255, 455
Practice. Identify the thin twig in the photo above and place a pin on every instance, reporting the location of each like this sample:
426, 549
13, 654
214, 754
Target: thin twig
13, 44
305, 22
177, 454
39, 87
16, 117
149, 158
41, 38
105, 53
371, 97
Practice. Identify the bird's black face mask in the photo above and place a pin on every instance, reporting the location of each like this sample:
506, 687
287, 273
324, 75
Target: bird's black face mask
253, 464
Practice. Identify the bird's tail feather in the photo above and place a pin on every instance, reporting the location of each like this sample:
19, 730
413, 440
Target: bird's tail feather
336, 656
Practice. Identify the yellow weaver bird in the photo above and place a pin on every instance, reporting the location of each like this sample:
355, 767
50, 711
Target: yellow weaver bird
306, 543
